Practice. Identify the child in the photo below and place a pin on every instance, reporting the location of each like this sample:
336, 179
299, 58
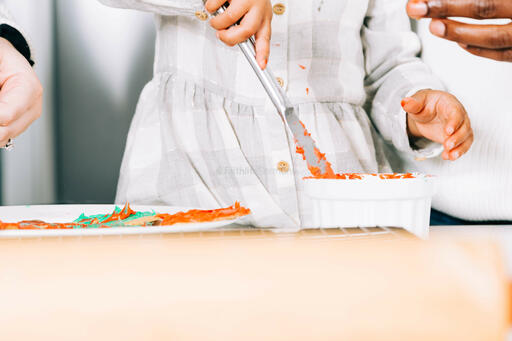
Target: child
205, 133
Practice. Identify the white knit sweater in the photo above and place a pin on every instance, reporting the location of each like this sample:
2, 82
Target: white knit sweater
478, 186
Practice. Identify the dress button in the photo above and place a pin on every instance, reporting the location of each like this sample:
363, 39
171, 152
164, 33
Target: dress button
201, 15
283, 166
280, 81
279, 9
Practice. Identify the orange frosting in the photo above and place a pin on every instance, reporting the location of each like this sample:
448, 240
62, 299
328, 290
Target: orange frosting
201, 216
125, 213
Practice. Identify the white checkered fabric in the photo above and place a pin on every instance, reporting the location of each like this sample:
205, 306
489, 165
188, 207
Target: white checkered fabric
206, 135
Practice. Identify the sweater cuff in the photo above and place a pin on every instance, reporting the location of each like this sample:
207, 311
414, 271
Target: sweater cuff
17, 40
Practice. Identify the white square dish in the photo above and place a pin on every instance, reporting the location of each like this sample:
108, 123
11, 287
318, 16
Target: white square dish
373, 202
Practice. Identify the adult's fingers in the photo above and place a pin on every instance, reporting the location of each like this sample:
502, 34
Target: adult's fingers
486, 36
263, 43
16, 97
250, 24
478, 9
18, 126
5, 135
231, 15
502, 55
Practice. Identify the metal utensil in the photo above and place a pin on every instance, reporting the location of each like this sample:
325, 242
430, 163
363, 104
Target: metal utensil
282, 104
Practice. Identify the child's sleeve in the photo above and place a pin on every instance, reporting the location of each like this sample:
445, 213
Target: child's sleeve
164, 7
394, 71
10, 31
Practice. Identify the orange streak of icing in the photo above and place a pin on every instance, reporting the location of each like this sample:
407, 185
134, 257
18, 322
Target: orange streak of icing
200, 216
122, 215
302, 67
316, 171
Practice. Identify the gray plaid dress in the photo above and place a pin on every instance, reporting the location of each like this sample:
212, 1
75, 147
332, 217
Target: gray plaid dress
206, 135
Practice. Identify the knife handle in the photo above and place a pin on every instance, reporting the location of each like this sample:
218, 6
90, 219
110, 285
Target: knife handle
266, 77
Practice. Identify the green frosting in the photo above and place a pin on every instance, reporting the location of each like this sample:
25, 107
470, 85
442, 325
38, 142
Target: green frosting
87, 220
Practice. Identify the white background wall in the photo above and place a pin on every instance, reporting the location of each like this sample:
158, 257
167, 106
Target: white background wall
105, 57
93, 62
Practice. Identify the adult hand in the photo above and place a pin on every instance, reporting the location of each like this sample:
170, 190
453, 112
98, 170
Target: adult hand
255, 18
21, 93
489, 41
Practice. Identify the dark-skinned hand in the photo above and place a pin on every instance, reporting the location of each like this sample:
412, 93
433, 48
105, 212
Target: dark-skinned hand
489, 41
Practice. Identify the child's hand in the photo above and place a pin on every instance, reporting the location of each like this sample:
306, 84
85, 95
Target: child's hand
256, 21
440, 117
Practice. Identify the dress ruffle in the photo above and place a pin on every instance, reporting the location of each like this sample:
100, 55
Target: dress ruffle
190, 146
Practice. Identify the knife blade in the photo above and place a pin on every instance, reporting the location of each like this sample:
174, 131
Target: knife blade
283, 105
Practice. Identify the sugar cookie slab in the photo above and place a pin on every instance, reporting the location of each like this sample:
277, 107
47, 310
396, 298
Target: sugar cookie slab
69, 213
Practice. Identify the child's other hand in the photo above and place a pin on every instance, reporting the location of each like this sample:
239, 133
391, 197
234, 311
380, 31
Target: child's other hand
440, 117
256, 21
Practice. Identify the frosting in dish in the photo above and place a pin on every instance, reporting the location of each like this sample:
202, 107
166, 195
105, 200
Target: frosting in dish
366, 176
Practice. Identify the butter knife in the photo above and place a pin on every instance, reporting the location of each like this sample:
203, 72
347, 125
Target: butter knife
282, 104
